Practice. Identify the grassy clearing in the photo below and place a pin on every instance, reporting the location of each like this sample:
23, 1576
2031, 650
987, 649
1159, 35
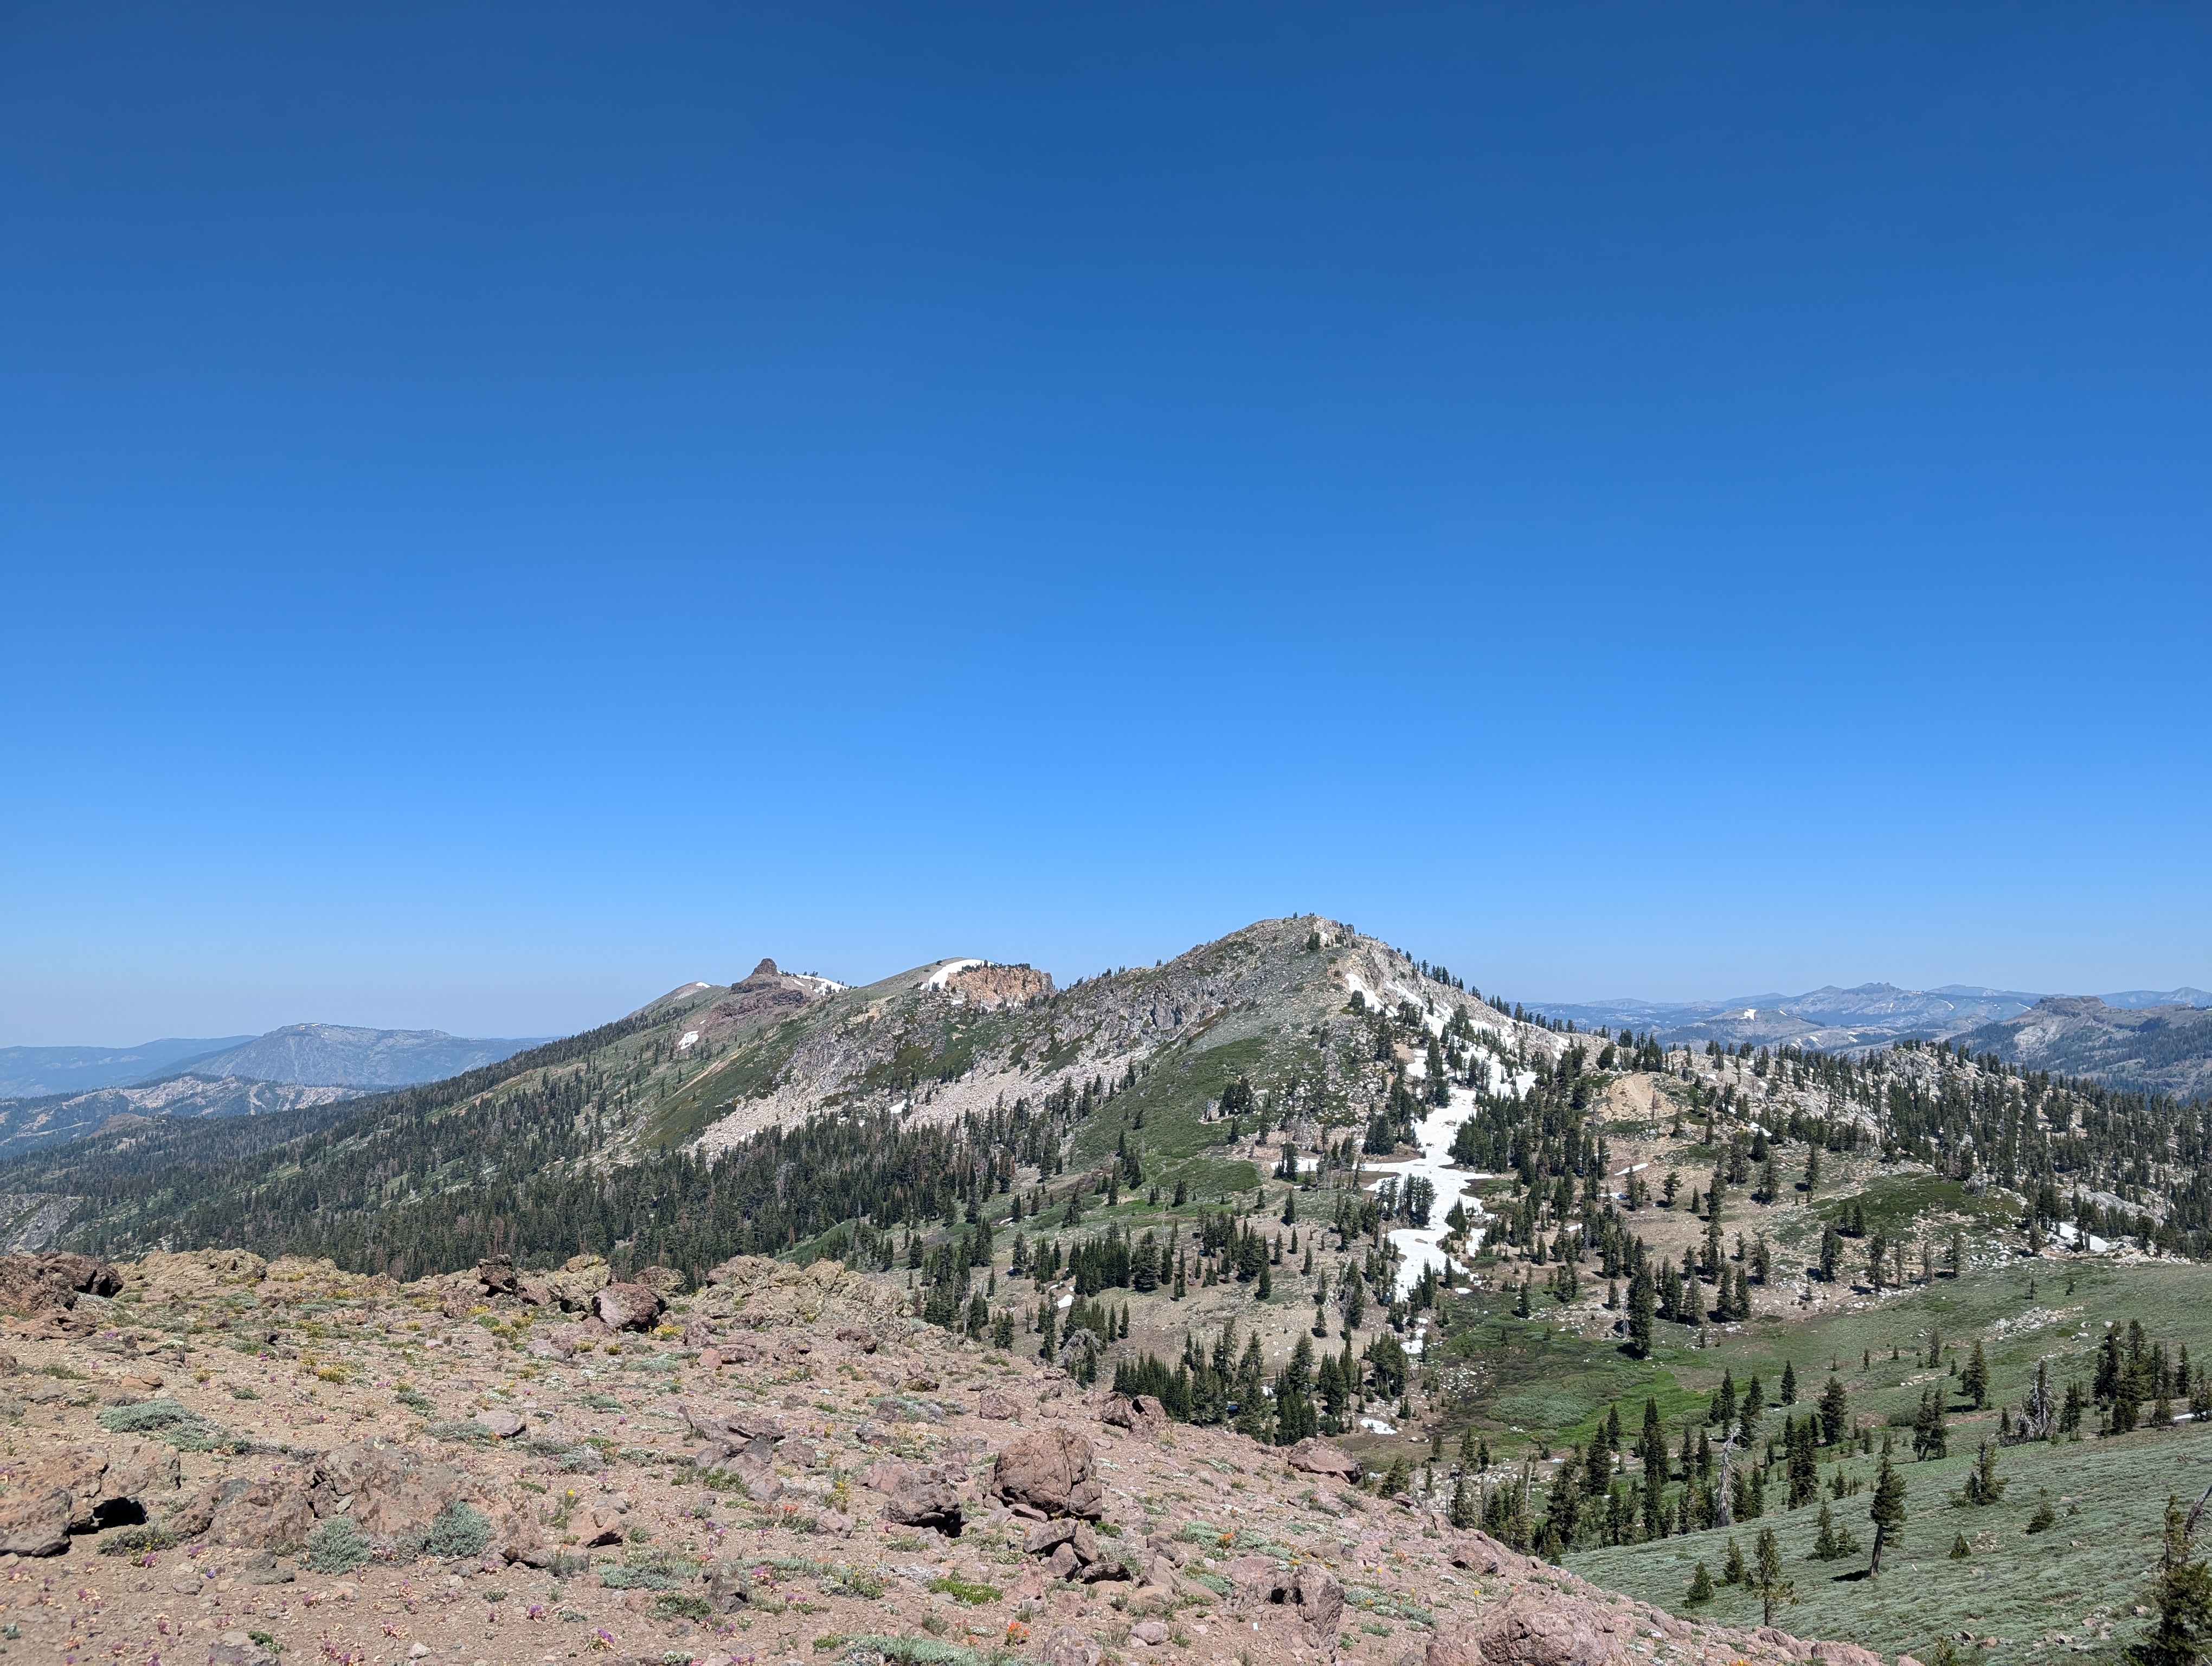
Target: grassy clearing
2080, 1582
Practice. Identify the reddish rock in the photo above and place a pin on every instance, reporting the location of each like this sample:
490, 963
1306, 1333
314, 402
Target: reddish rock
995, 1406
1531, 1629
1052, 1472
1845, 1654
1315, 1457
38, 1286
1310, 1592
1455, 1646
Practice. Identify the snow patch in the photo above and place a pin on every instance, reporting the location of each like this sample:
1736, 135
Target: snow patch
689, 1037
936, 979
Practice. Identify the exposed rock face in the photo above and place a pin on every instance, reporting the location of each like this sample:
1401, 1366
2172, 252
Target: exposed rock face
31, 1286
993, 988
758, 1293
1047, 1473
83, 1489
768, 993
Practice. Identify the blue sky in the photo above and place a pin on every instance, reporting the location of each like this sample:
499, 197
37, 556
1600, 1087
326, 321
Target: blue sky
506, 510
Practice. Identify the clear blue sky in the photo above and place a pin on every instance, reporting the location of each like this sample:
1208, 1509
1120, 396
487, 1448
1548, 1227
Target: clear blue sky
508, 509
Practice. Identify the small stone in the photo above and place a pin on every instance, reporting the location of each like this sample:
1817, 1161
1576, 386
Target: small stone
503, 1424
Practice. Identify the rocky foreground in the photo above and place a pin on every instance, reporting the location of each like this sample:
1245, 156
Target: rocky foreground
210, 1458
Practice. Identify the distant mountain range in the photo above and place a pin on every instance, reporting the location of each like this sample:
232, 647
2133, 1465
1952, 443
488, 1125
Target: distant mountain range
54, 1093
308, 1054
2164, 1048
1830, 1017
30, 1072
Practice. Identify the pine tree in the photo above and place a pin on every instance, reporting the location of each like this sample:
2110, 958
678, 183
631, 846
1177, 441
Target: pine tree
1886, 1510
1732, 1568
1835, 1412
1701, 1587
2182, 1630
1975, 1379
1639, 1315
1766, 1574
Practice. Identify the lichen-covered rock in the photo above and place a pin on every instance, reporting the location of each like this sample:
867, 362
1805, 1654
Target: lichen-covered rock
1050, 1473
186, 1273
1069, 1647
572, 1286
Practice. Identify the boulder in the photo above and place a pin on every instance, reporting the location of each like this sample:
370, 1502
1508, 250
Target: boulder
628, 1307
762, 1294
597, 1527
1478, 1552
744, 1436
1069, 1647
1563, 1630
662, 1281
391, 1494
1308, 1590
1043, 1538
34, 1519
1143, 1414
921, 1502
1051, 1472
995, 1407
497, 1275
500, 1424
1315, 1457
571, 1287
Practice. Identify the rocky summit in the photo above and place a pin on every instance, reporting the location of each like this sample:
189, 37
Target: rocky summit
213, 1457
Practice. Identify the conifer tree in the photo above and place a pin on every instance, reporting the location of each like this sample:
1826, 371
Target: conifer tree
1886, 1510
